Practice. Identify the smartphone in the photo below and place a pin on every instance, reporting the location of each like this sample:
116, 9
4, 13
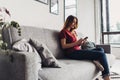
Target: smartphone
86, 38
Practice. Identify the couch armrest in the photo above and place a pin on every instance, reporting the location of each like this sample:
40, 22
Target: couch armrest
32, 65
12, 66
19, 66
106, 47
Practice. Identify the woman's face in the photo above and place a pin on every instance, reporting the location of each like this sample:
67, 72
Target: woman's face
73, 25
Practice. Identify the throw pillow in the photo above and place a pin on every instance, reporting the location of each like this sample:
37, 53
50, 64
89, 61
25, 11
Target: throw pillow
88, 45
23, 46
48, 60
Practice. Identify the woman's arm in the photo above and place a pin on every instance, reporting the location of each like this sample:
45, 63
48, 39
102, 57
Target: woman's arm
69, 45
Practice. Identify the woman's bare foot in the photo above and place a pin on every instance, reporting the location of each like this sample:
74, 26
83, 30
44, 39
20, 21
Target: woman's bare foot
106, 78
98, 65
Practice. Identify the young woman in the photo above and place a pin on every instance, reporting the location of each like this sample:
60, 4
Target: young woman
71, 46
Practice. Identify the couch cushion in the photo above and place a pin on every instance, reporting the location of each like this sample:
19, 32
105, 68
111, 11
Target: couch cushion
10, 34
48, 60
74, 70
53, 43
47, 36
71, 70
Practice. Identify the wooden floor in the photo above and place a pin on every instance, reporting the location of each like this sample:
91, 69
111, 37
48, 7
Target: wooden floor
115, 71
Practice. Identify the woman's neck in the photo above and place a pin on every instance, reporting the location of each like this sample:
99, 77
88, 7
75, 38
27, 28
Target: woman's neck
70, 29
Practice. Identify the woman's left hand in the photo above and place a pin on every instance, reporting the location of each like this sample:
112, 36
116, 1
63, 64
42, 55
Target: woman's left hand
84, 41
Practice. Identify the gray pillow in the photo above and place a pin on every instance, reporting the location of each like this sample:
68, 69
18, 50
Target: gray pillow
24, 46
48, 60
88, 45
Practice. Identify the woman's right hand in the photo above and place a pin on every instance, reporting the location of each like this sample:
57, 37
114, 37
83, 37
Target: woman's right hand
80, 41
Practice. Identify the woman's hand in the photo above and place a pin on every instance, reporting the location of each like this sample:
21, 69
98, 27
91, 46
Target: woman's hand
84, 41
69, 45
81, 41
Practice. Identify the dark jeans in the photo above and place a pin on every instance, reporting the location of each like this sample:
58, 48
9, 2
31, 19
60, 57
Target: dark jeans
94, 54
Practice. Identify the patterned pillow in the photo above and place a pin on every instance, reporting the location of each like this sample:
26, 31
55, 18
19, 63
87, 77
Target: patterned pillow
48, 60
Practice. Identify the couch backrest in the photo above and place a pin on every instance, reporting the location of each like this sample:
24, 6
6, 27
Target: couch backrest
47, 36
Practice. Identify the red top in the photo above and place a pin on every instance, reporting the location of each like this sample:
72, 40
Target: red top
70, 38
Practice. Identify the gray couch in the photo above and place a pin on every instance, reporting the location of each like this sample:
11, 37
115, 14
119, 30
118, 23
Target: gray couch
22, 66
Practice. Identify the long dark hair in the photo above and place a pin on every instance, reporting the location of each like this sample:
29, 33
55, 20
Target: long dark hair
69, 21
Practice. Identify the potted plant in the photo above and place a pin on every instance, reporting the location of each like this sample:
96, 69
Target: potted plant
4, 23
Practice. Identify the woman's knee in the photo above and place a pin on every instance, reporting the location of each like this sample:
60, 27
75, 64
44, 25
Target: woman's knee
102, 54
101, 49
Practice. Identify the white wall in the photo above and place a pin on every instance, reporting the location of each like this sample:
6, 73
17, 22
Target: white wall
33, 13
86, 16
